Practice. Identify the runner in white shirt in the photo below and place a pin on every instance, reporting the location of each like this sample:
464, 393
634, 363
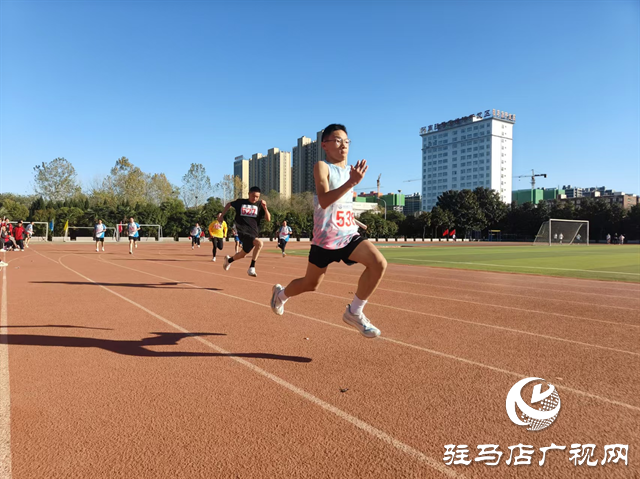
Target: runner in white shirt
284, 233
133, 230
335, 233
98, 234
196, 231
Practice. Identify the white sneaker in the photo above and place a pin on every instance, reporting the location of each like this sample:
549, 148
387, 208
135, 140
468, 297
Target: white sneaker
192, 247
198, 246
277, 306
214, 260
27, 246
130, 252
361, 323
252, 272
284, 254
2, 263
102, 249
97, 250
225, 264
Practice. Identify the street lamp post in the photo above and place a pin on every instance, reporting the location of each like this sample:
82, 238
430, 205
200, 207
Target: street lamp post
385, 207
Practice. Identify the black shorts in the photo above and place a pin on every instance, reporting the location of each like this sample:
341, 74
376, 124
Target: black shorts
134, 238
217, 242
195, 240
99, 239
247, 242
322, 257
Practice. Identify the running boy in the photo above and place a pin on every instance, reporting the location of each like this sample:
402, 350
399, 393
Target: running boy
133, 229
236, 239
284, 233
29, 229
248, 215
335, 233
196, 231
217, 232
98, 234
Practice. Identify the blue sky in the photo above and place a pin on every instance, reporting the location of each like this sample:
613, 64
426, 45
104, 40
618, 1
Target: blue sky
168, 84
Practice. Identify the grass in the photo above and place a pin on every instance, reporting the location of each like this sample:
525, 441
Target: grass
602, 262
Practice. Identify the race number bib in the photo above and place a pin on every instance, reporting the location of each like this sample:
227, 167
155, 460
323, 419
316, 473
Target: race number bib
249, 210
343, 219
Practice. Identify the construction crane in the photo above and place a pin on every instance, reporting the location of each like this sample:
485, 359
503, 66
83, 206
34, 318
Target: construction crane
533, 178
369, 188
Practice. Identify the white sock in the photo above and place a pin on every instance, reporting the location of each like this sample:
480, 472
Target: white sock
357, 305
282, 297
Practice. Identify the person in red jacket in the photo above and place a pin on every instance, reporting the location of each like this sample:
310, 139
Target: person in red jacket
18, 234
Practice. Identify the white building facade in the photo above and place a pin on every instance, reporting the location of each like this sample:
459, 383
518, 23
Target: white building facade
468, 152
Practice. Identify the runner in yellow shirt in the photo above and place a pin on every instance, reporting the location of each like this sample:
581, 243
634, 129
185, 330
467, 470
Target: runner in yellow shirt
218, 232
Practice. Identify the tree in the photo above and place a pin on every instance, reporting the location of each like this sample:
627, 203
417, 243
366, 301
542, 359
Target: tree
492, 207
159, 189
196, 185
13, 210
465, 209
126, 181
631, 223
56, 180
441, 217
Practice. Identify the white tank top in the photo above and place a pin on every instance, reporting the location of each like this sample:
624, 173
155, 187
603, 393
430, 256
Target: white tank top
334, 227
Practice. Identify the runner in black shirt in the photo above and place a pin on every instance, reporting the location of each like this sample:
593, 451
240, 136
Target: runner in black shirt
248, 215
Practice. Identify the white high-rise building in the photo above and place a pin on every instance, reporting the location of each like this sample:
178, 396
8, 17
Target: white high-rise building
468, 152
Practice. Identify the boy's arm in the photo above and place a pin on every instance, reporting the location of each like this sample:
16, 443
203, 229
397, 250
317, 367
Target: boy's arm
327, 197
267, 215
225, 229
224, 212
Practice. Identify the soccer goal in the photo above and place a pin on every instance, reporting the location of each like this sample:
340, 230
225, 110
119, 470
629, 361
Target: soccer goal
563, 232
85, 233
40, 229
146, 233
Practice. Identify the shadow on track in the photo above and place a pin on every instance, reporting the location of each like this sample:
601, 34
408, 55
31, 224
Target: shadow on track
127, 285
138, 348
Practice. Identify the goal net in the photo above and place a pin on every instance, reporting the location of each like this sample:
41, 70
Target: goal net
40, 229
146, 232
86, 233
563, 232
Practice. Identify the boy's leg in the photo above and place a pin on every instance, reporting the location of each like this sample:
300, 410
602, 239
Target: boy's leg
247, 246
375, 265
97, 247
311, 281
257, 247
131, 246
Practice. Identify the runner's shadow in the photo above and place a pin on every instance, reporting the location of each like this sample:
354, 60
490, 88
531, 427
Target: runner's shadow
59, 326
139, 348
128, 285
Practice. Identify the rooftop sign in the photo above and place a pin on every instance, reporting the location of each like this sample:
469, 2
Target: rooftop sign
497, 114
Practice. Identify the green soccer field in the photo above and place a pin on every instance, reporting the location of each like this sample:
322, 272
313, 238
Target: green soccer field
604, 262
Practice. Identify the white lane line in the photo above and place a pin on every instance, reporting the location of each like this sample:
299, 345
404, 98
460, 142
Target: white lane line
360, 424
384, 338
5, 397
467, 290
513, 266
555, 280
439, 316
